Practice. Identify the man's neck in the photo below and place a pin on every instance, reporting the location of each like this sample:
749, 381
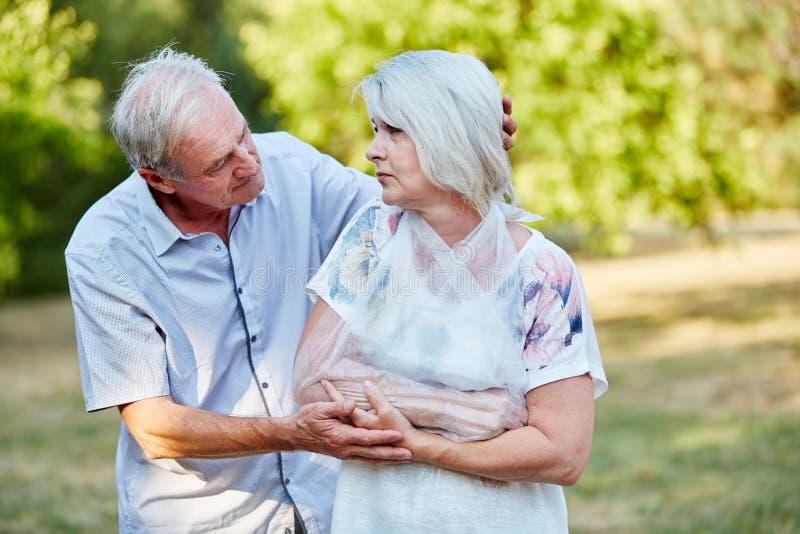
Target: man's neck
192, 217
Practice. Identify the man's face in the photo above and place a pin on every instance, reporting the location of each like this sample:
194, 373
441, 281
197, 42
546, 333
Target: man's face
218, 158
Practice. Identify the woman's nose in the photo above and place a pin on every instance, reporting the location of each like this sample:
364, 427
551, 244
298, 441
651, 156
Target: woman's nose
375, 150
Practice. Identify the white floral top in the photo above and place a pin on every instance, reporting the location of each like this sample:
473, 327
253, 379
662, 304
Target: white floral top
381, 278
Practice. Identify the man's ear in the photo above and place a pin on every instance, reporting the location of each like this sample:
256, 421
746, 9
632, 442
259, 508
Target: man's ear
156, 181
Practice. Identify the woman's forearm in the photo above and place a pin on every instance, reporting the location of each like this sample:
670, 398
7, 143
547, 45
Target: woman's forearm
523, 454
325, 353
553, 448
459, 415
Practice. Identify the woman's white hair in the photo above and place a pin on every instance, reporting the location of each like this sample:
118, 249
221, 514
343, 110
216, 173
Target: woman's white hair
160, 99
451, 108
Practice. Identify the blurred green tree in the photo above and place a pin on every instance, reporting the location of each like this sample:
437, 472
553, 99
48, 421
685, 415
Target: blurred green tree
628, 110
62, 64
127, 31
50, 124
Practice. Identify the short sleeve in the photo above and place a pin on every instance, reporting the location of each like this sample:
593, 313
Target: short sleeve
121, 353
560, 341
345, 273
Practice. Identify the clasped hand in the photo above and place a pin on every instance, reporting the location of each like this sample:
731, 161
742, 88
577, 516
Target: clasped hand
320, 429
382, 417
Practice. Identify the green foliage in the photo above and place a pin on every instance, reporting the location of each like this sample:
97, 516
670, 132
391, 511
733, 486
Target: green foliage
127, 31
60, 69
49, 120
627, 109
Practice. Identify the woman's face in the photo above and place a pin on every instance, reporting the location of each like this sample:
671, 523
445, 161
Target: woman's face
398, 170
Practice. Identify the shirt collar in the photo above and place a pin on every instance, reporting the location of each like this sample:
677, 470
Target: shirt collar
162, 232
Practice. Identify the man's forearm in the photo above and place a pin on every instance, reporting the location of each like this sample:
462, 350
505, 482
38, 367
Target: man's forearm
165, 429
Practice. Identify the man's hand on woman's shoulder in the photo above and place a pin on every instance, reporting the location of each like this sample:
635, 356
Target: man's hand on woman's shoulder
509, 124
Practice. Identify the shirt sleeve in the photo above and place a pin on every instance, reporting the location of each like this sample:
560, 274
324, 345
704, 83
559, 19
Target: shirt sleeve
337, 192
560, 341
121, 352
345, 273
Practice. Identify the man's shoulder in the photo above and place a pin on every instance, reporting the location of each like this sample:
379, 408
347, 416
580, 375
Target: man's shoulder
112, 215
281, 144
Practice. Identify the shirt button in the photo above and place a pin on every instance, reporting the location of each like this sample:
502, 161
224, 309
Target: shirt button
253, 339
240, 290
217, 247
264, 385
287, 531
286, 480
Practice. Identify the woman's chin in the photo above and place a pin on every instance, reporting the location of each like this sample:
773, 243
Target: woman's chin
389, 199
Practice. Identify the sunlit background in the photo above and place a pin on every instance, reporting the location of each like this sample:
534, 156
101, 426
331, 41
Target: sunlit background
658, 138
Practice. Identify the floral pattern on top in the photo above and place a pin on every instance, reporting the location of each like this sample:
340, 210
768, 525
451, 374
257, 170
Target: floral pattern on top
354, 257
553, 304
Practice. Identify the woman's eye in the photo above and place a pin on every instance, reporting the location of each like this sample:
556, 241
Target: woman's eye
393, 130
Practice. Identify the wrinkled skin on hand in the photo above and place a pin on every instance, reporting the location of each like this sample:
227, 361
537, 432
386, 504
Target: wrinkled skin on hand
319, 428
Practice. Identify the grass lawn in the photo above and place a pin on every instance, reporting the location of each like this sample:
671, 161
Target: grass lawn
700, 431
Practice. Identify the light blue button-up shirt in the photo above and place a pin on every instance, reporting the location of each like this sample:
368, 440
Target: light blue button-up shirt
160, 312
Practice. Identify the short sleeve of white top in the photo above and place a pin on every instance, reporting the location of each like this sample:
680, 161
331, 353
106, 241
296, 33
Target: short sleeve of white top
560, 340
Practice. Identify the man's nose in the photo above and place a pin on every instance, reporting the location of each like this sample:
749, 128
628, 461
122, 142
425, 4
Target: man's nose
248, 165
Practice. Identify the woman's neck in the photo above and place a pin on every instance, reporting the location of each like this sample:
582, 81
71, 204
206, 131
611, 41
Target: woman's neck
452, 221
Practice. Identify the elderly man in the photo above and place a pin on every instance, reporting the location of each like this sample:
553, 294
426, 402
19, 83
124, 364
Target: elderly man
187, 285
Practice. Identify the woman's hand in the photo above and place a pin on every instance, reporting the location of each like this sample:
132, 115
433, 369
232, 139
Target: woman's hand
382, 416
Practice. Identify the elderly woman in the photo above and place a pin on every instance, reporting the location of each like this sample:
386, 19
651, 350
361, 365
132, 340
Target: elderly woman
445, 319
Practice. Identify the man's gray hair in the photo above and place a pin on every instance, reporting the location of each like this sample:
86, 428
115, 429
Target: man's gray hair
160, 98
451, 108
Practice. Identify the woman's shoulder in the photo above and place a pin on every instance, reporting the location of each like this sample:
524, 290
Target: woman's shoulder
519, 234
374, 221
541, 258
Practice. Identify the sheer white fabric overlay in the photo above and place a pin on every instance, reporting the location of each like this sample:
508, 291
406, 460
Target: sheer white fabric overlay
439, 330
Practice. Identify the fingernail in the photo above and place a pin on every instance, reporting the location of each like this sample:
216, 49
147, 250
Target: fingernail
368, 384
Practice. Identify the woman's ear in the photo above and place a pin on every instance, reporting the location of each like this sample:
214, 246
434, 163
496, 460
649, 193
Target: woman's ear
156, 181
